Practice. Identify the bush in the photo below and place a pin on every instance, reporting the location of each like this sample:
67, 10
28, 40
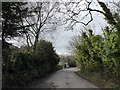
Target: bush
72, 63
59, 67
23, 67
20, 70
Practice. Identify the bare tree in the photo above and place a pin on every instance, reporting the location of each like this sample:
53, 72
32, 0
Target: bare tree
43, 20
79, 12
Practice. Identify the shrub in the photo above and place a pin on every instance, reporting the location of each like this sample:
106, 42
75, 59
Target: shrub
20, 70
24, 67
59, 66
72, 63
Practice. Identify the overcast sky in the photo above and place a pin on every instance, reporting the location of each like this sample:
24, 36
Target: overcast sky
61, 38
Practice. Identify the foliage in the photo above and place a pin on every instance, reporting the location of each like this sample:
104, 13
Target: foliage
111, 53
24, 67
89, 51
99, 53
70, 59
13, 15
111, 57
59, 67
20, 69
46, 57
72, 63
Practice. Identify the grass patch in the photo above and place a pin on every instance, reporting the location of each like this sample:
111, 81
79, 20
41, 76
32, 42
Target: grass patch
98, 79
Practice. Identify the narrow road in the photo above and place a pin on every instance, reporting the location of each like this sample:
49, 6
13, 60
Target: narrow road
65, 78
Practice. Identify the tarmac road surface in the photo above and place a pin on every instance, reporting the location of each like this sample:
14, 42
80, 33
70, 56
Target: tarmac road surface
65, 78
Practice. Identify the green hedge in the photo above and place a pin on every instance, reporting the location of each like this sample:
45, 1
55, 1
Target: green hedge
72, 63
24, 67
59, 67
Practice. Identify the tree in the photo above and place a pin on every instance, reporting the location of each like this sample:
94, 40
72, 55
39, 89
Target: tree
46, 58
89, 51
82, 12
13, 17
24, 67
43, 20
12, 26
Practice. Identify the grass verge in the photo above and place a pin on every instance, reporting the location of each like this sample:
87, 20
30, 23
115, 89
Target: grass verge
99, 80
